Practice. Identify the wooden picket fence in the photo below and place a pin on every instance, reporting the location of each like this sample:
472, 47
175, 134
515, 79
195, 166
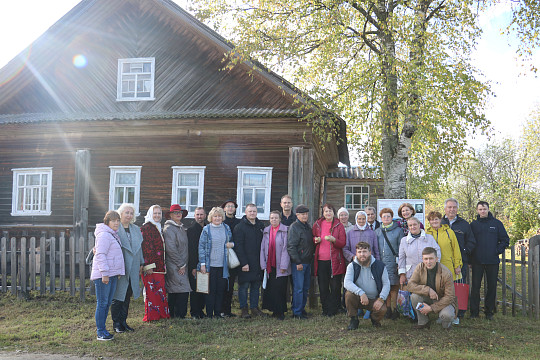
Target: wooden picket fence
33, 264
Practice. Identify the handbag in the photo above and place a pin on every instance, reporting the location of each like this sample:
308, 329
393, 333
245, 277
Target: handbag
232, 259
462, 293
404, 305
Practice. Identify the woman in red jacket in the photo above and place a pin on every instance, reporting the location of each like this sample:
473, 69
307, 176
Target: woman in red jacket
329, 238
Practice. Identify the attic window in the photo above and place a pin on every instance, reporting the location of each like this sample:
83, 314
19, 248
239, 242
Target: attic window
136, 79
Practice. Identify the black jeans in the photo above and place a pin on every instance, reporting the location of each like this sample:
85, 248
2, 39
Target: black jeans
229, 291
119, 309
178, 304
491, 271
329, 287
196, 299
214, 298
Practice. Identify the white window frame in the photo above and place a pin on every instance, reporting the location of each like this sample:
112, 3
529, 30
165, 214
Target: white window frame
112, 184
361, 206
268, 189
177, 170
14, 201
121, 63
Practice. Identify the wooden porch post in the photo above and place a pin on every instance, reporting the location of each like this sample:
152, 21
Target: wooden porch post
80, 198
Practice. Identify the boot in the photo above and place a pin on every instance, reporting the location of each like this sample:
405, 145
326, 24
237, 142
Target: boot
388, 314
395, 314
245, 313
257, 312
353, 325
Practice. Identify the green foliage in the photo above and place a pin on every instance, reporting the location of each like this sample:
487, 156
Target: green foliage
526, 25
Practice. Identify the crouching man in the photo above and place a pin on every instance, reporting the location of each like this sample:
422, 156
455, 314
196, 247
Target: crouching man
432, 290
367, 284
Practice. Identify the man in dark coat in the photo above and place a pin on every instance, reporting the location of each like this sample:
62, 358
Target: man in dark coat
464, 235
247, 239
372, 221
491, 241
287, 215
300, 248
196, 299
231, 220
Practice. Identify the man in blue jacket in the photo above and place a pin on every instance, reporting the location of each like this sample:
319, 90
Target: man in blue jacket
491, 241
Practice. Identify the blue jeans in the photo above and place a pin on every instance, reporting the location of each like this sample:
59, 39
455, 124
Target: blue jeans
104, 296
301, 279
253, 295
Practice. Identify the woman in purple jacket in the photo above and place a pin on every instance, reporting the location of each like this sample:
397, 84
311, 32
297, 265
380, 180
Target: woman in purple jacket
360, 232
277, 263
107, 265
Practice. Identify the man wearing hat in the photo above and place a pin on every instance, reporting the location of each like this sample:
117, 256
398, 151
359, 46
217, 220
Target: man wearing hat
230, 207
300, 248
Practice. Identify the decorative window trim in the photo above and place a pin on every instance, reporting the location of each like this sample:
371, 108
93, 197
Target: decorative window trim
265, 215
121, 74
177, 170
360, 206
14, 201
112, 184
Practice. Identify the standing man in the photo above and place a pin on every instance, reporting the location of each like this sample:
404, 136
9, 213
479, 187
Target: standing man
196, 299
372, 221
247, 244
300, 248
287, 216
231, 220
491, 241
464, 235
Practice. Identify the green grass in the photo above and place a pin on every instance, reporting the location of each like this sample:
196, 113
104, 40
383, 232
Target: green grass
61, 324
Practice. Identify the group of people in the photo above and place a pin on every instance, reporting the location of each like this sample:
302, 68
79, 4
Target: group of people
394, 254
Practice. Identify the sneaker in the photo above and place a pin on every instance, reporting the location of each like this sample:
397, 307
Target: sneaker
367, 315
105, 337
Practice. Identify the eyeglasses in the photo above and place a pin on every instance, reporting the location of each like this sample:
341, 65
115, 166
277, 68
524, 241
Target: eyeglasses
176, 212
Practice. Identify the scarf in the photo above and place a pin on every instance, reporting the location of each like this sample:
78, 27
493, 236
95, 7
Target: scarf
365, 215
271, 262
149, 217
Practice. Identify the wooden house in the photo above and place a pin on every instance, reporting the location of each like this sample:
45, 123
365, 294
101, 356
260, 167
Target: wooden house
129, 101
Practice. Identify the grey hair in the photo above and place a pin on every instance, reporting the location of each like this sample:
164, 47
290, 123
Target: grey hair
125, 206
413, 218
453, 200
371, 208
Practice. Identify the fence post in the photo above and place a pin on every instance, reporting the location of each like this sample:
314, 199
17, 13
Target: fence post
42, 267
13, 266
24, 268
62, 246
82, 266
72, 265
91, 242
4, 263
503, 284
523, 282
513, 257
536, 260
52, 261
530, 282
32, 262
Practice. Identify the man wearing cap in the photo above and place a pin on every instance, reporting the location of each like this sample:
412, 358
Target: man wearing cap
287, 215
230, 207
300, 248
196, 299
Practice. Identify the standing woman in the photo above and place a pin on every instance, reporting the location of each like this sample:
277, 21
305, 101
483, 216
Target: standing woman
329, 238
176, 261
108, 264
361, 232
405, 212
275, 259
447, 240
389, 235
343, 216
213, 244
128, 285
155, 302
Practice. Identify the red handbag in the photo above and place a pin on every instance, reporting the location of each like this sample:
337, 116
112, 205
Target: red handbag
462, 293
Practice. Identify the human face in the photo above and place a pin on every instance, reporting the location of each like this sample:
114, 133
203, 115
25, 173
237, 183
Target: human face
274, 220
435, 223
363, 255
414, 227
217, 219
114, 224
200, 215
361, 220
406, 212
251, 213
328, 214
450, 209
176, 216
126, 216
303, 217
482, 210
156, 214
230, 209
343, 218
286, 204
429, 260
370, 216
386, 218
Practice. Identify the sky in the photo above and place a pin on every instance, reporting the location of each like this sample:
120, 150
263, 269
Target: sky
516, 90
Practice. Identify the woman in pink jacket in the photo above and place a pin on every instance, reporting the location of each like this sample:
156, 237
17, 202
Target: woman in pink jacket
107, 265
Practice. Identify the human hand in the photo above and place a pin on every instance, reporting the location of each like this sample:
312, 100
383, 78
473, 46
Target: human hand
330, 238
299, 267
458, 270
433, 295
229, 245
402, 279
203, 269
140, 270
94, 250
194, 272
378, 304
105, 279
149, 272
317, 240
182, 270
364, 299
245, 268
283, 271
426, 309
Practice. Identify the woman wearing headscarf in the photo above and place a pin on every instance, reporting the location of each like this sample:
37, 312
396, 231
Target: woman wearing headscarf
275, 259
361, 232
128, 285
343, 216
155, 302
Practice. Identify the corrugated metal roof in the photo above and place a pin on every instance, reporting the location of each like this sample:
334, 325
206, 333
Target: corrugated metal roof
356, 172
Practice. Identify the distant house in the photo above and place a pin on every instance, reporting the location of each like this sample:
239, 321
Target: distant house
128, 101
